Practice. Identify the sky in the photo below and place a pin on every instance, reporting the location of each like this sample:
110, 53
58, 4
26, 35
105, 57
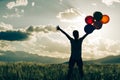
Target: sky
30, 26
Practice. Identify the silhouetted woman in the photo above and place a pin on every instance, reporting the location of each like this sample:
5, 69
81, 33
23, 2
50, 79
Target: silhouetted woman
76, 52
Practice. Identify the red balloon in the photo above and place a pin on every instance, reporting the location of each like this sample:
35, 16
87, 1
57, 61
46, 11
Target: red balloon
89, 20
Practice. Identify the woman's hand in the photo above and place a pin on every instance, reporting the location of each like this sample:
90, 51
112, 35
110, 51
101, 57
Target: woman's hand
58, 28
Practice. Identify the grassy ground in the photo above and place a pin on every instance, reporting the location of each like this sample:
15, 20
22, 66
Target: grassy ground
37, 71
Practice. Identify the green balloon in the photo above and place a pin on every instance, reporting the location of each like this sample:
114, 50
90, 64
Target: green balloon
97, 15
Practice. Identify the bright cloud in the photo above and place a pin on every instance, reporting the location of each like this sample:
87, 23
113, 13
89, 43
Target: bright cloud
99, 47
6, 45
54, 44
17, 3
16, 14
71, 15
110, 2
22, 11
4, 26
12, 15
33, 4
41, 28
94, 4
61, 1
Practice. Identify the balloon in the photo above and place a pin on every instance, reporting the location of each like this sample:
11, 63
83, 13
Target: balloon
89, 28
97, 16
89, 19
105, 19
97, 25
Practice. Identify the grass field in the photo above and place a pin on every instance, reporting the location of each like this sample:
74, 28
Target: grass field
37, 71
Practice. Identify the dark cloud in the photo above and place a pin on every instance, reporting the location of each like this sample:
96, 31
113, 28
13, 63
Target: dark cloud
13, 35
18, 35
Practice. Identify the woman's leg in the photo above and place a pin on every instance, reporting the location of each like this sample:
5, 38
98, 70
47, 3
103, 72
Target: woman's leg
70, 70
80, 67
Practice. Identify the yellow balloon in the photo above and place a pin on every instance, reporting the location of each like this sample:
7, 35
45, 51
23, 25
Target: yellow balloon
105, 19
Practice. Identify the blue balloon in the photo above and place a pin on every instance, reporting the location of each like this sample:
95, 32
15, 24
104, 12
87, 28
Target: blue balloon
89, 28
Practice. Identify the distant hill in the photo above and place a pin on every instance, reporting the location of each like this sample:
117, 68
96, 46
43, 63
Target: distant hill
108, 59
13, 56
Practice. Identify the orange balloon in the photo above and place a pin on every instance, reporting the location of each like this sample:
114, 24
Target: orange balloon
105, 19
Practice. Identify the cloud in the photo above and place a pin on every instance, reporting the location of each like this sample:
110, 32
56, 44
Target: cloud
12, 15
41, 28
94, 4
6, 45
22, 11
33, 4
17, 13
60, 1
70, 15
45, 46
13, 35
8, 33
100, 47
44, 40
17, 3
53, 46
110, 2
4, 26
